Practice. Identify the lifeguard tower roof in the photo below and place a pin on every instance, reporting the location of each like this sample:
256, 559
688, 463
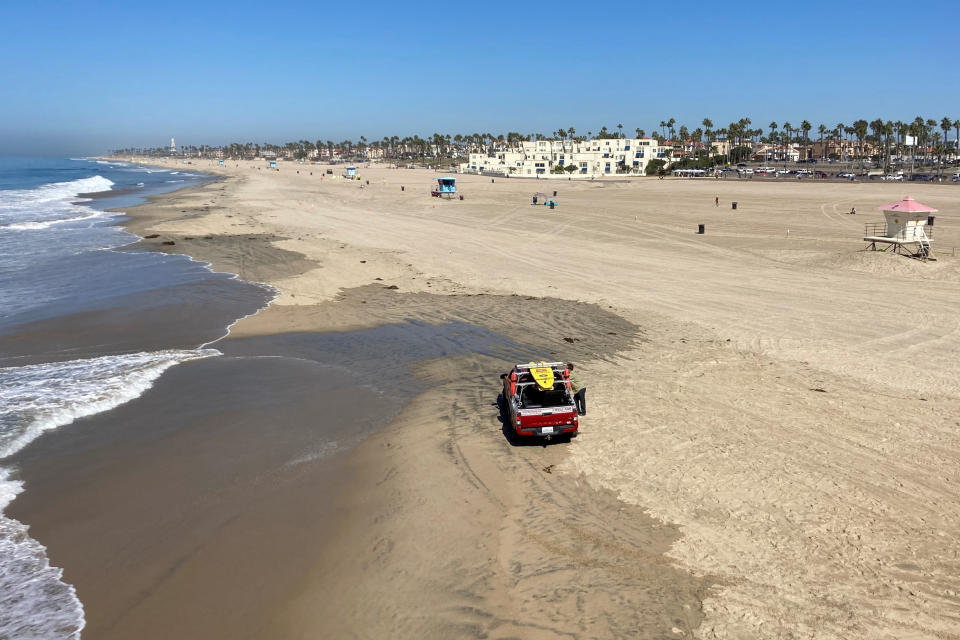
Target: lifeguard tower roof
907, 205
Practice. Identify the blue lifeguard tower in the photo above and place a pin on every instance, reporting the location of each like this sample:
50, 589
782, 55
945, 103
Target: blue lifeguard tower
446, 187
273, 164
220, 162
351, 172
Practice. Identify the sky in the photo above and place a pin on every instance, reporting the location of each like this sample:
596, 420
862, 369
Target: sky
87, 77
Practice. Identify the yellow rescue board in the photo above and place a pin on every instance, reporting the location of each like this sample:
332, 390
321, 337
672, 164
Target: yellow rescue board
542, 375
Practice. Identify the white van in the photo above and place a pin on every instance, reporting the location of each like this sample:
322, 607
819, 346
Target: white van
766, 171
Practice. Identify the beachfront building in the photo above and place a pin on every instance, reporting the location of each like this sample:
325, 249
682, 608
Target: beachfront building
776, 153
563, 158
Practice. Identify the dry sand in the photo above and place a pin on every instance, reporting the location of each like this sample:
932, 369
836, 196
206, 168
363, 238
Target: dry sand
789, 402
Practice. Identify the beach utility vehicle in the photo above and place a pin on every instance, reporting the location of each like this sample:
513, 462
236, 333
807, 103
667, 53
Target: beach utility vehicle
538, 401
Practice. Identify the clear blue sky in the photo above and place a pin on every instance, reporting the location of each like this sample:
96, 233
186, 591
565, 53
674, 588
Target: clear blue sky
84, 77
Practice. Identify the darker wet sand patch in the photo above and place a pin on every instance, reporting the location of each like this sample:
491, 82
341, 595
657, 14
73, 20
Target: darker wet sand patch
555, 328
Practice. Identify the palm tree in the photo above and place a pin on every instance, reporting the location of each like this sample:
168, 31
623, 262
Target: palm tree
805, 127
773, 131
822, 129
620, 132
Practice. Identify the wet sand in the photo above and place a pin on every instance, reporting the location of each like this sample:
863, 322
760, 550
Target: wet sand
182, 316
259, 495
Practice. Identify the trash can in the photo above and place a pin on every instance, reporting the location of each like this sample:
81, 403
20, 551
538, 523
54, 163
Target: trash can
402, 188
461, 197
554, 194
534, 200
930, 220
491, 179
553, 205
733, 205
701, 228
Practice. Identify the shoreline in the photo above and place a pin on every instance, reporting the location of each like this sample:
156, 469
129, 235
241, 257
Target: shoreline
733, 378
252, 254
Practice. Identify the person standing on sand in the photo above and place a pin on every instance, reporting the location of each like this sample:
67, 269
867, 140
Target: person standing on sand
716, 201
579, 391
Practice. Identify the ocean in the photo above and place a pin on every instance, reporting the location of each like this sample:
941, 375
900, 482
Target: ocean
63, 266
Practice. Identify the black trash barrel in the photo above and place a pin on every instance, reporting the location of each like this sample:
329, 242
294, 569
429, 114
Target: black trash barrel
733, 205
402, 188
554, 194
491, 179
930, 220
701, 228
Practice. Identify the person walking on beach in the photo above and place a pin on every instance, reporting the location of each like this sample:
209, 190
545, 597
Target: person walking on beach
579, 391
853, 210
716, 201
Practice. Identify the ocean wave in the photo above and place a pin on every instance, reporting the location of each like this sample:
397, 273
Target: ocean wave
46, 224
39, 397
51, 203
34, 600
55, 191
36, 603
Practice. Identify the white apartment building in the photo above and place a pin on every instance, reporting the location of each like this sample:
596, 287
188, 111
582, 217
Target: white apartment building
590, 158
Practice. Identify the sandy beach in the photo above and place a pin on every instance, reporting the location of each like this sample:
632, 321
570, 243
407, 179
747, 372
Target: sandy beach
770, 450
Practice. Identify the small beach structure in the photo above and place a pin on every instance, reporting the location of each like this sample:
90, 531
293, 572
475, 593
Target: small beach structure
273, 164
446, 188
905, 229
548, 201
351, 173
220, 162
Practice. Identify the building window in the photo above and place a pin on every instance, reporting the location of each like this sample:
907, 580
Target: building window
636, 163
606, 155
606, 169
626, 147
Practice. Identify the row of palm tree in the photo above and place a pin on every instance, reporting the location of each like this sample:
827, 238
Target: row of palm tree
849, 140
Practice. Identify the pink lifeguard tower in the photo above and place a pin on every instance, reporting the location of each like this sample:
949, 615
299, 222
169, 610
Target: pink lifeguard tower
906, 229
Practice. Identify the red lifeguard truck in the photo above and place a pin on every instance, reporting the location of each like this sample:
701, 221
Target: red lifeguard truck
538, 402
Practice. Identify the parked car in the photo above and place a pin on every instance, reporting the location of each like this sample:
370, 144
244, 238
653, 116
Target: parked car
893, 176
846, 175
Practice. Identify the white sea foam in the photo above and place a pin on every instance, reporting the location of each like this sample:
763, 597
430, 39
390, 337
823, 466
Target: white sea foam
39, 397
49, 204
34, 601
46, 224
